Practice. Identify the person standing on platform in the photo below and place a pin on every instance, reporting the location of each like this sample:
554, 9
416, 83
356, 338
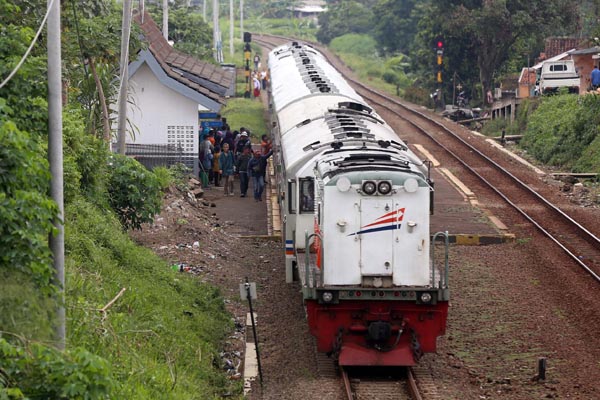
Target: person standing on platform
215, 168
256, 169
226, 169
241, 166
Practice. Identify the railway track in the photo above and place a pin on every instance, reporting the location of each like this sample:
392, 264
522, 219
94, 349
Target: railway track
388, 384
576, 240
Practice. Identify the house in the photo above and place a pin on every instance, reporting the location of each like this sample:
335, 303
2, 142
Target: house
585, 60
309, 9
167, 91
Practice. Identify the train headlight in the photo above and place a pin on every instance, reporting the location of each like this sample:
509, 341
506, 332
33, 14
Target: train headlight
327, 297
369, 187
425, 297
384, 187
411, 185
343, 184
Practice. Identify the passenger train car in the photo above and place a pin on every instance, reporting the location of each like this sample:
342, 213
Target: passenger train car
355, 204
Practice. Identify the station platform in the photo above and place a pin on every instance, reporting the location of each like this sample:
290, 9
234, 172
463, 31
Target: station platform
456, 210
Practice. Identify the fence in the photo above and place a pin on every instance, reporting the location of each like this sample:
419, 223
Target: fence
160, 155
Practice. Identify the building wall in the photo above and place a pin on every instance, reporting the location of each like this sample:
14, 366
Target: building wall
584, 64
158, 110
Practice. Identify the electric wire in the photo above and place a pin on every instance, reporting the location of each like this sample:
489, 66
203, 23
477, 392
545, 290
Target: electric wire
20, 64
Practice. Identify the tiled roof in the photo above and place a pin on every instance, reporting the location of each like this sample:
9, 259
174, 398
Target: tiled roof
208, 79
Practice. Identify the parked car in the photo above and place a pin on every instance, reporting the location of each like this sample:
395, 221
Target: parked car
558, 74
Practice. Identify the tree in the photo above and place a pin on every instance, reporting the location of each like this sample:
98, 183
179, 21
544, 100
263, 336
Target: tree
395, 25
91, 31
494, 26
188, 30
395, 72
342, 18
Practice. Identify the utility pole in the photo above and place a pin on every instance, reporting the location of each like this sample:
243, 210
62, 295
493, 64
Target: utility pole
242, 19
122, 125
231, 27
204, 10
165, 27
215, 15
55, 159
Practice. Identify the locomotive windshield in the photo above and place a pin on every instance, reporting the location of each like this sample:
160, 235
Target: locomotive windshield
307, 195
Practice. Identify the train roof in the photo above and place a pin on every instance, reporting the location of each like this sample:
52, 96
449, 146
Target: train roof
299, 71
349, 124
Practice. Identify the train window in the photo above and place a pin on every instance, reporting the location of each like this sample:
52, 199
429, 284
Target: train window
307, 195
291, 196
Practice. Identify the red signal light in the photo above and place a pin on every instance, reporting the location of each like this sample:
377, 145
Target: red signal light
440, 44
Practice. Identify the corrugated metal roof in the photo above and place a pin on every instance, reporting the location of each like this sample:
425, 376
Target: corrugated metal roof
210, 80
591, 50
555, 58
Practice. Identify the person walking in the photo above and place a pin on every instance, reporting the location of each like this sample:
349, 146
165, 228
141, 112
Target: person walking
242, 142
257, 167
241, 166
226, 169
256, 84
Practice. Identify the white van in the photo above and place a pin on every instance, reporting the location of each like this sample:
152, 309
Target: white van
558, 74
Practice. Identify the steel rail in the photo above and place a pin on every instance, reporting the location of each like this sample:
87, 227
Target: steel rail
413, 389
347, 387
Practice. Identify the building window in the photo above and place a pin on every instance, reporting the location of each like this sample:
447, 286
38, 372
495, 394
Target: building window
181, 136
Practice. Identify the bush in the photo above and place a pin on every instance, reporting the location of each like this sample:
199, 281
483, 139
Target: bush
164, 176
37, 371
353, 43
562, 128
26, 211
134, 192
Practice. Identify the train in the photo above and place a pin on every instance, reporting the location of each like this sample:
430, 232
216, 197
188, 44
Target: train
355, 205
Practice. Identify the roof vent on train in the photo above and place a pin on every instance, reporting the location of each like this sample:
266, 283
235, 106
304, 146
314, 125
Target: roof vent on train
355, 106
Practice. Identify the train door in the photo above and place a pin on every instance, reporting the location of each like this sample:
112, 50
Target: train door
378, 221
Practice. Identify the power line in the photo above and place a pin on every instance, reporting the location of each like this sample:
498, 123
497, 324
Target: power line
20, 64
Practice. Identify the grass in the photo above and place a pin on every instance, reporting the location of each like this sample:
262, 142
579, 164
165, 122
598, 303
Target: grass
247, 113
162, 335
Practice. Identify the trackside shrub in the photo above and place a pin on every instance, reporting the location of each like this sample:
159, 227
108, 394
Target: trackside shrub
562, 128
134, 192
36, 371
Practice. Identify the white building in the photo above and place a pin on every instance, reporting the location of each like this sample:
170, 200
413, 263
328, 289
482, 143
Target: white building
167, 90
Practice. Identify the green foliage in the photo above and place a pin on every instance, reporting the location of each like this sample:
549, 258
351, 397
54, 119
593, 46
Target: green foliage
395, 25
160, 336
32, 370
344, 17
563, 129
25, 93
164, 177
134, 192
247, 113
187, 28
352, 43
26, 211
85, 159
